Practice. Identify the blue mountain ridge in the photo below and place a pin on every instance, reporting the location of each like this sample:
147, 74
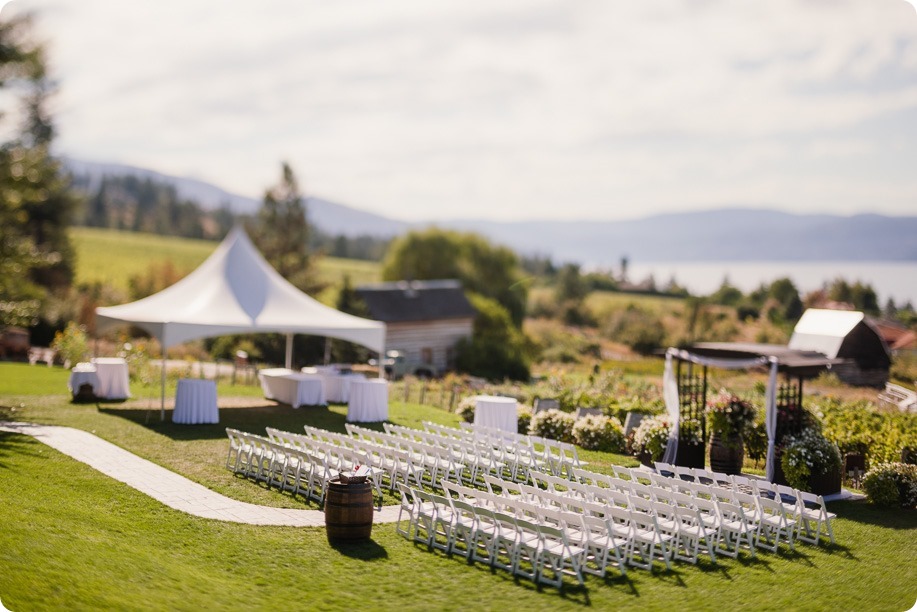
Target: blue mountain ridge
726, 234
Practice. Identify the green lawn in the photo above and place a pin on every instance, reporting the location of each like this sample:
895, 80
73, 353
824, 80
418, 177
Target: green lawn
111, 257
74, 539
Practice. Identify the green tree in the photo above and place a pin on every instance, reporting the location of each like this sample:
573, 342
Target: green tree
497, 350
789, 304
281, 232
485, 269
35, 201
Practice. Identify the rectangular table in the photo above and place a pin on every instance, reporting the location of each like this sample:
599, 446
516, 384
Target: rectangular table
196, 402
293, 388
368, 400
336, 385
114, 381
496, 412
83, 374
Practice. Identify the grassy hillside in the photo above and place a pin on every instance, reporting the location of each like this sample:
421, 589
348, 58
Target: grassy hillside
111, 257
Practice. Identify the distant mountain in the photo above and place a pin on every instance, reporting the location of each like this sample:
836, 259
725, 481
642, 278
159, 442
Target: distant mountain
331, 217
714, 235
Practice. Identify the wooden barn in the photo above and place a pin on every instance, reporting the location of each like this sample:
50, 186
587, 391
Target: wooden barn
845, 335
424, 319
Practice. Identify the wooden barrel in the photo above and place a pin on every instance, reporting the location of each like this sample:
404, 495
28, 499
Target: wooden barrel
726, 454
349, 511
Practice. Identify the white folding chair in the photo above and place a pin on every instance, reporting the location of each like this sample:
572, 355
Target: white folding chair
735, 530
650, 542
774, 523
813, 510
559, 555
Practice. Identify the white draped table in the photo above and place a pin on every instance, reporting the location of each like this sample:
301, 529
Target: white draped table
196, 402
496, 412
335, 385
368, 400
293, 388
114, 382
81, 374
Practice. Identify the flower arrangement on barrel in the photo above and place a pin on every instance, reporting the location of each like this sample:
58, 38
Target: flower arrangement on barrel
728, 416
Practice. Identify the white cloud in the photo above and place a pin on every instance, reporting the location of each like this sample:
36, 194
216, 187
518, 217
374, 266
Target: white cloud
506, 109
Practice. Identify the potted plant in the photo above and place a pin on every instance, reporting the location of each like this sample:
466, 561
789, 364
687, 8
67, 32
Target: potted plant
690, 452
650, 439
811, 462
728, 416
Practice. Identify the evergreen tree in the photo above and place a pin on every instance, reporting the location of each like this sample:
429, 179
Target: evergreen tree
282, 232
36, 203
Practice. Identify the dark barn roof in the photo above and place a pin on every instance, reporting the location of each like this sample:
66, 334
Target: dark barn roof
404, 301
795, 362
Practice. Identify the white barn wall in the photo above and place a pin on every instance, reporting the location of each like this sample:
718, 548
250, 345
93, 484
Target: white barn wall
441, 335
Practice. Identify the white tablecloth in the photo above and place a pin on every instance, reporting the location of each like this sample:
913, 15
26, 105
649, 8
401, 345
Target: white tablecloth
114, 382
337, 386
81, 374
496, 412
196, 402
368, 400
289, 387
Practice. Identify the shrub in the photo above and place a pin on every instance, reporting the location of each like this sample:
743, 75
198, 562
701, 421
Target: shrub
652, 435
597, 432
892, 484
689, 432
71, 344
808, 454
553, 424
466, 408
524, 418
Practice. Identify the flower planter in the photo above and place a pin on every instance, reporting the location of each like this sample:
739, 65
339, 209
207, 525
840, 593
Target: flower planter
690, 455
726, 454
646, 458
825, 484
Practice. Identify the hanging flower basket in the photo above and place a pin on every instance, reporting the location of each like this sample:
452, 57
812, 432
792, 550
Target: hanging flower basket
727, 454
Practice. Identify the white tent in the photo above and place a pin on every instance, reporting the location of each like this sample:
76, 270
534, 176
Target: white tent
236, 291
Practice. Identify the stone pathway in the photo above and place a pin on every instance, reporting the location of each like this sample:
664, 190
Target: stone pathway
166, 486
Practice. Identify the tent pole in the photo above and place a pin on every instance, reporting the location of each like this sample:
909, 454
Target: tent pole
162, 377
289, 362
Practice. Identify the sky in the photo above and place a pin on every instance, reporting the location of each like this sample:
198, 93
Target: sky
501, 110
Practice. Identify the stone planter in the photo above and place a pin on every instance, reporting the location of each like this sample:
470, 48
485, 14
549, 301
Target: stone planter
690, 455
726, 454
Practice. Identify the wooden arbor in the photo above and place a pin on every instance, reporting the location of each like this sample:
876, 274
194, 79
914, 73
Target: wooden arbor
691, 376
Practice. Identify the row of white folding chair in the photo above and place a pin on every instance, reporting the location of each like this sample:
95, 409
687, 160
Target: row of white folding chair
585, 541
289, 468
455, 432
478, 458
635, 494
438, 462
806, 508
770, 520
605, 530
390, 462
335, 456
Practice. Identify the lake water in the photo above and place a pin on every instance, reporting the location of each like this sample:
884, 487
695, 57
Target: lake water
890, 279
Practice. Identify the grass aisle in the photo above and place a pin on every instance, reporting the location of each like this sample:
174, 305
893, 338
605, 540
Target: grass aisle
71, 538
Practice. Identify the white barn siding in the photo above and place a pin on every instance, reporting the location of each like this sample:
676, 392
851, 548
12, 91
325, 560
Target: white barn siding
438, 336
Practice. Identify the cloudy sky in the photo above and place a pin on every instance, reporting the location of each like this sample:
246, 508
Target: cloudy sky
505, 109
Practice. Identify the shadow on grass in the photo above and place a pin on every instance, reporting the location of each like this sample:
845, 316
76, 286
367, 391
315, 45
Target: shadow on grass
17, 444
364, 550
254, 419
862, 511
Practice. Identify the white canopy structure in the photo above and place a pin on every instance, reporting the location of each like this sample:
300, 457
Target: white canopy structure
237, 291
